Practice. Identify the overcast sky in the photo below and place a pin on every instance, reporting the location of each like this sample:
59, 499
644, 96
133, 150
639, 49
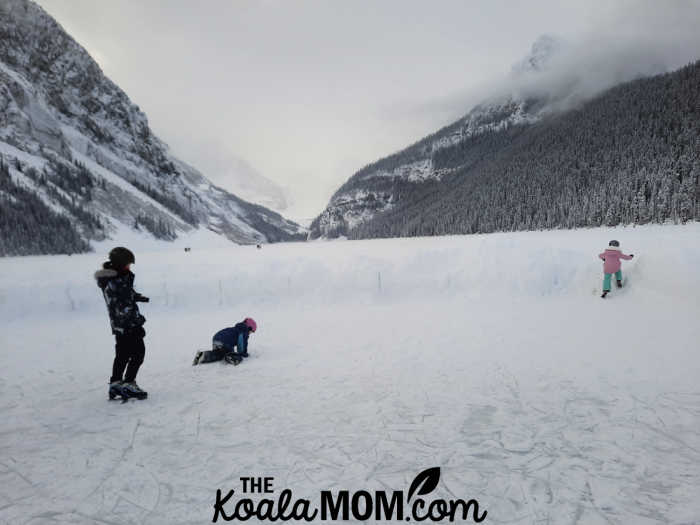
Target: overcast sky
307, 92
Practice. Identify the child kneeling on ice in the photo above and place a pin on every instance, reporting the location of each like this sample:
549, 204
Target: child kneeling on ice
611, 258
224, 344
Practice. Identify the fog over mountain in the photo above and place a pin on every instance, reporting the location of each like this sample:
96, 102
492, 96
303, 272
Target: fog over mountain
629, 40
250, 184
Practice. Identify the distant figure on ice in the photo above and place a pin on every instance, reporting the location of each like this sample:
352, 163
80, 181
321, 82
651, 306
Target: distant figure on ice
611, 258
117, 284
224, 344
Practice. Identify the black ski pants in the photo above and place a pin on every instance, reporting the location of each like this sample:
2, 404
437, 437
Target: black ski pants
217, 354
130, 350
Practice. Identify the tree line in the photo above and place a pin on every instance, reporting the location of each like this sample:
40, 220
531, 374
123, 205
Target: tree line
29, 227
58, 214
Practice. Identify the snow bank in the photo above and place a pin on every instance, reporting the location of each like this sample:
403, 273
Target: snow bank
209, 277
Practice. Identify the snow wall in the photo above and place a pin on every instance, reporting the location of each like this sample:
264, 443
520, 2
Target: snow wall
239, 278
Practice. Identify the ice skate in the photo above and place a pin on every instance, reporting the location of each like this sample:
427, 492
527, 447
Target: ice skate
131, 389
115, 389
232, 359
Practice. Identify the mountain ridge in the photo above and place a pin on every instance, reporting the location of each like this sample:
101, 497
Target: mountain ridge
423, 179
413, 164
68, 118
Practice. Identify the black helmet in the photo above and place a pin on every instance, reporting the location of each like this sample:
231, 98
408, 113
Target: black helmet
614, 243
120, 257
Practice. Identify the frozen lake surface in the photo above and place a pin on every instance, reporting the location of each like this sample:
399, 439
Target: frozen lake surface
489, 356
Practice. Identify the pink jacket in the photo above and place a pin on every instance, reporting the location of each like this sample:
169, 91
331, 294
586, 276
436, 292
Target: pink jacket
612, 257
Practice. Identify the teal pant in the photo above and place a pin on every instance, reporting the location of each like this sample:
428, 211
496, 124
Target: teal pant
606, 279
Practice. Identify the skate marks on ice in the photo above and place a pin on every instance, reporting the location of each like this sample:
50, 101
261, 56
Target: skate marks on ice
547, 452
531, 446
16, 487
124, 491
542, 449
550, 451
88, 469
559, 453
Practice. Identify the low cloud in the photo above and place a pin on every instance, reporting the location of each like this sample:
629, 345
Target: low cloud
630, 41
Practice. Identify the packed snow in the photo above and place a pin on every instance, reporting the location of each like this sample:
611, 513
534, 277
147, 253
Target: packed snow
492, 357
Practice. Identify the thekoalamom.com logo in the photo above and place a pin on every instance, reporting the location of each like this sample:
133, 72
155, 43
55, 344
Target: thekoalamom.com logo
344, 505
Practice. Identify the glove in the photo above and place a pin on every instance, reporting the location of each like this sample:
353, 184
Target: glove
141, 298
631, 255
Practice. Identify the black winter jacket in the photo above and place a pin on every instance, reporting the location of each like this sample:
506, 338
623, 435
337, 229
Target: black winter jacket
120, 297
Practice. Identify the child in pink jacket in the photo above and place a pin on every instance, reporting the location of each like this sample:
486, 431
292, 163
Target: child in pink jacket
611, 257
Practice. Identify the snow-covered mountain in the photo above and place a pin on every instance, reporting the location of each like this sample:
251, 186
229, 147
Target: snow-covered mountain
376, 188
454, 180
82, 156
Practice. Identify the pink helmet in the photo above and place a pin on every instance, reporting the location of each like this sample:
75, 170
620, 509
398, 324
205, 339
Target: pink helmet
250, 323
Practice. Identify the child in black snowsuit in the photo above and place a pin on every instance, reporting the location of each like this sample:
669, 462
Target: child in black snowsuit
117, 284
224, 344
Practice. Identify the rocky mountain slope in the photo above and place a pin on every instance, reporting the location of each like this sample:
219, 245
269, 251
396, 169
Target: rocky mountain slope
79, 158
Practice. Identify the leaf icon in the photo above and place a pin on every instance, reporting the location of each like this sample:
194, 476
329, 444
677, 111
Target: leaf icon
429, 479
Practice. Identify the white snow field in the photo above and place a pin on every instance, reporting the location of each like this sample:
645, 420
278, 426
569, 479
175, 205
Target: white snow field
489, 356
